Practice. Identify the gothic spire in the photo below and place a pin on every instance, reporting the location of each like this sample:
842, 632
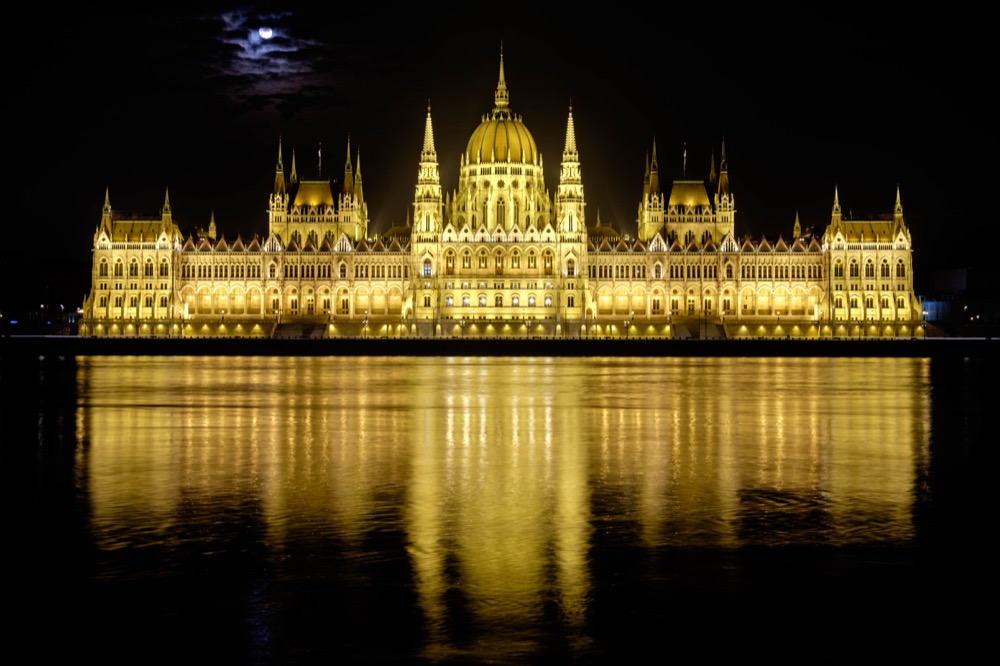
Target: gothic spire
570, 153
654, 172
279, 173
348, 177
429, 153
501, 98
723, 172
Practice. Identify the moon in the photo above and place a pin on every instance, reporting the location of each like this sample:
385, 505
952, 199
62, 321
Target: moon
265, 33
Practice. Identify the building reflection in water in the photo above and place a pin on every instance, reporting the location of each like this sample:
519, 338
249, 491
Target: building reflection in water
497, 478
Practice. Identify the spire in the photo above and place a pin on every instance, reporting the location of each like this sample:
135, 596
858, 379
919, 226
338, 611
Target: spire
279, 173
898, 209
319, 161
167, 217
293, 176
711, 169
348, 177
429, 153
211, 226
684, 170
107, 201
723, 172
654, 172
501, 98
570, 151
797, 228
357, 179
836, 201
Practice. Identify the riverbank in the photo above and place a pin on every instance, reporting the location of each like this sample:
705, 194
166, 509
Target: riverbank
23, 347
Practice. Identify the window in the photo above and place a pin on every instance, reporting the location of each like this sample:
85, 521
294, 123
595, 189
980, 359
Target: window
427, 267
515, 301
482, 301
900, 269
147, 270
657, 272
531, 301
343, 271
570, 301
102, 270
449, 301
427, 300
571, 268
119, 269
466, 301
548, 301
498, 301
855, 269
133, 269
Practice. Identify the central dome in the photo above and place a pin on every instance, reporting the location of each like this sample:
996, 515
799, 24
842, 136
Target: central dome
502, 136
501, 139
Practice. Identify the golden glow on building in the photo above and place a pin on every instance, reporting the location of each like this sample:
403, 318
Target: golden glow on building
501, 256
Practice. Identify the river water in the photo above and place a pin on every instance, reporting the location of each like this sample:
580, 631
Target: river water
498, 510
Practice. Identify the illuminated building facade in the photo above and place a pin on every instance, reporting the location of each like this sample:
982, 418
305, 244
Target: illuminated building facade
501, 256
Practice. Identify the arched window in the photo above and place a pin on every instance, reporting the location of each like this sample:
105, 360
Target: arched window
855, 270
838, 270
102, 270
869, 269
900, 269
427, 267
482, 301
133, 269
449, 301
885, 269
657, 272
548, 301
570, 268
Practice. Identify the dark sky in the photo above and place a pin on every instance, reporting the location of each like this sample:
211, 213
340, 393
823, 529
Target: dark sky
136, 99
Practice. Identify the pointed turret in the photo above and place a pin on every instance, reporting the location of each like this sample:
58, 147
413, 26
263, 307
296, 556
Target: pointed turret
211, 227
167, 216
654, 173
650, 217
293, 176
797, 228
357, 180
569, 194
502, 97
105, 214
280, 185
429, 153
723, 172
711, 169
836, 206
428, 207
348, 170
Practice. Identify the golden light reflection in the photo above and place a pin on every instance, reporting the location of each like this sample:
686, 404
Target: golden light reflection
496, 472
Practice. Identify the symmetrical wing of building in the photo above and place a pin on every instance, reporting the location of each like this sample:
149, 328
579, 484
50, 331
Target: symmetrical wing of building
501, 256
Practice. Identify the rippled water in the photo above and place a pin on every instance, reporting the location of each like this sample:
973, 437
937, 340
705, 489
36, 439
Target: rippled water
498, 510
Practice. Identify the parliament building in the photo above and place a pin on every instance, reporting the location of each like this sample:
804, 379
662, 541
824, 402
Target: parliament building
502, 256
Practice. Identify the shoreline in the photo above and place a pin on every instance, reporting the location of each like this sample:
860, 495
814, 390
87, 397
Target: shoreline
28, 346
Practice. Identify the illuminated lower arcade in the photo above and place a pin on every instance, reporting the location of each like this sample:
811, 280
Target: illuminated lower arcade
501, 257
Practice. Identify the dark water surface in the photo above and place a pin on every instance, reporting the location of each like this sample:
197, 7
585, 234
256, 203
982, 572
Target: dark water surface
498, 510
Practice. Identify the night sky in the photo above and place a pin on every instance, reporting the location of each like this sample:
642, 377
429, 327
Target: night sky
137, 99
